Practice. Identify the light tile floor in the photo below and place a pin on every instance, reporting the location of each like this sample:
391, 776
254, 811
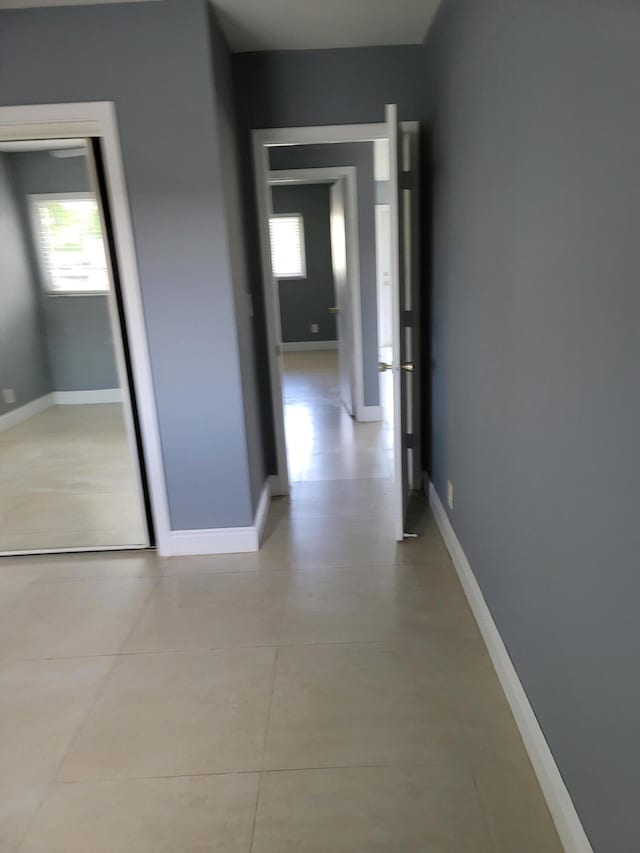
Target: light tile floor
67, 480
329, 694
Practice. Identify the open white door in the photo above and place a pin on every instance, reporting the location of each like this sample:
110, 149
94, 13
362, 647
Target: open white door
342, 307
405, 360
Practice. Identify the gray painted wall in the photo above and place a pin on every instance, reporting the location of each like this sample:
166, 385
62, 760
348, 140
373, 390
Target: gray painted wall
236, 230
153, 60
361, 156
23, 366
79, 338
306, 301
536, 354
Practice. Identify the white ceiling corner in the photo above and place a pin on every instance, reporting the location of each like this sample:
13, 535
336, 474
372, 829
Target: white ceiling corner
308, 24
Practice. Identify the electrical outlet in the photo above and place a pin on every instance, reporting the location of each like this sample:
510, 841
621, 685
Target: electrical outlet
315, 328
450, 494
8, 395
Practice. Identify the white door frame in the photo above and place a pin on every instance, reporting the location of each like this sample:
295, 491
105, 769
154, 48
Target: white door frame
98, 119
262, 141
328, 175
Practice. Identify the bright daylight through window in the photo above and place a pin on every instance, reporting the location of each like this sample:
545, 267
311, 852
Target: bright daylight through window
69, 239
286, 232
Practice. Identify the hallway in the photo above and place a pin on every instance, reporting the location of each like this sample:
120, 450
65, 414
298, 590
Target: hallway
330, 694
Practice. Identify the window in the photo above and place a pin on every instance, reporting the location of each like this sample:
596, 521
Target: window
286, 232
69, 240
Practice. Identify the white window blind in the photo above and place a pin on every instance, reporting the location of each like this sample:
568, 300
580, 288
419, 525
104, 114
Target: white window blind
69, 241
286, 232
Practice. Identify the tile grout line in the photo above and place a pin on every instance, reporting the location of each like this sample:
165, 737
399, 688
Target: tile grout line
81, 725
264, 746
102, 686
485, 816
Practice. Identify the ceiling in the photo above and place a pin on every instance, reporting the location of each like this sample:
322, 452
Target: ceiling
303, 24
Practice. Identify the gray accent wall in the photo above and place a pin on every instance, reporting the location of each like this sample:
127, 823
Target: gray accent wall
358, 154
306, 301
238, 254
154, 61
536, 355
23, 366
78, 333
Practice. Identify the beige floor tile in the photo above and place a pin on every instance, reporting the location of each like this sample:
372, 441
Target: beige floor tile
375, 704
377, 603
359, 810
176, 714
517, 815
351, 541
117, 564
42, 706
71, 618
67, 480
18, 805
207, 814
211, 611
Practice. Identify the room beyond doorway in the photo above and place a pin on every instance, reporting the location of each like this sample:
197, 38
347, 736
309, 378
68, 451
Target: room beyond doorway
334, 461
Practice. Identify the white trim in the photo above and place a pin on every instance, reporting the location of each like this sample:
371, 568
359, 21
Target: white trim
262, 511
327, 133
220, 540
319, 175
304, 346
89, 119
276, 487
563, 812
23, 413
264, 209
366, 414
391, 115
79, 398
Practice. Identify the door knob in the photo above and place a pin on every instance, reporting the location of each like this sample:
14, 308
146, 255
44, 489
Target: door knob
334, 310
407, 366
382, 366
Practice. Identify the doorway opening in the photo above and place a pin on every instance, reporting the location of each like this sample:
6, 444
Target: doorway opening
365, 397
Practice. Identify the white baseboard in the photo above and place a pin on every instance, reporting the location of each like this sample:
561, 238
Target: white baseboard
276, 486
78, 398
23, 413
262, 510
365, 414
563, 812
304, 346
218, 540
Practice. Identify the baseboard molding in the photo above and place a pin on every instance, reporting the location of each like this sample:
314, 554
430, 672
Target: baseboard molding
262, 511
563, 812
276, 486
366, 414
78, 398
218, 540
23, 413
304, 346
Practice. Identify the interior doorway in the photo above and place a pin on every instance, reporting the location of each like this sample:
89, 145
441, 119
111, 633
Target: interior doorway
400, 389
74, 434
315, 252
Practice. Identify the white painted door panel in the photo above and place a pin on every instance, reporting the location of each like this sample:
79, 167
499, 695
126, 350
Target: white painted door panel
339, 260
405, 360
